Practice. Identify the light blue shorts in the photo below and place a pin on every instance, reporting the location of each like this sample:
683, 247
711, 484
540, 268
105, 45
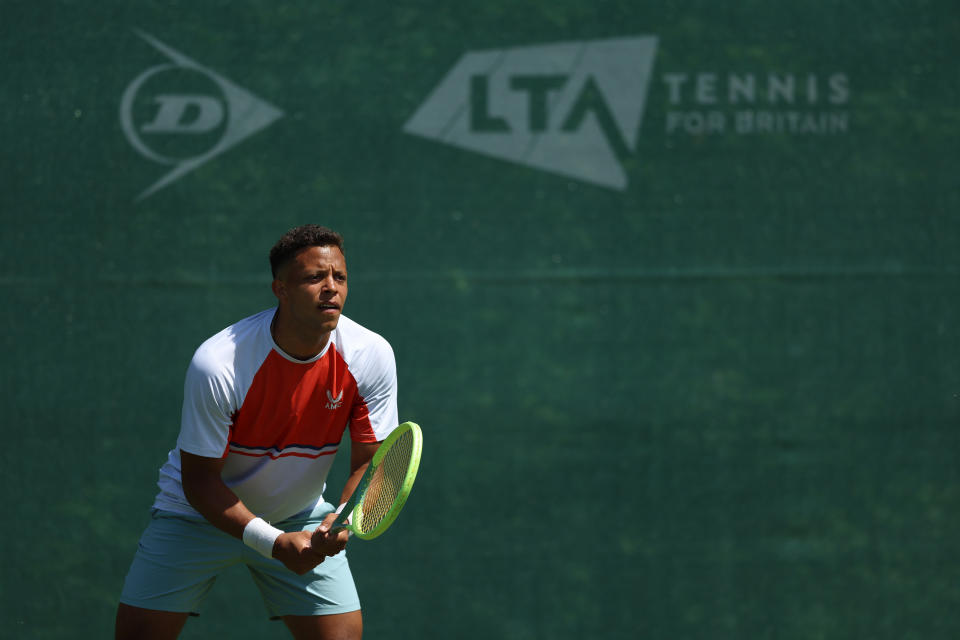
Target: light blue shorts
179, 558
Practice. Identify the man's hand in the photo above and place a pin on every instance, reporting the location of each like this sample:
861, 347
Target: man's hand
296, 553
327, 542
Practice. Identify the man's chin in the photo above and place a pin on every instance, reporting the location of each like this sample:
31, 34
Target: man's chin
329, 324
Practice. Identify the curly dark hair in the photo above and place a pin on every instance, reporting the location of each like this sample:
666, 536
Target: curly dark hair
302, 237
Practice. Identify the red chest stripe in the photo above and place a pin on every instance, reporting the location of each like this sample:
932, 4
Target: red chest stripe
296, 409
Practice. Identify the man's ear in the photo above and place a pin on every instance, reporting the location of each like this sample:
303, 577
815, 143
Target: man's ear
279, 289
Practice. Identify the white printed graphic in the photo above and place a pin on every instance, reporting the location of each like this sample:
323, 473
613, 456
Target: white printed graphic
192, 114
334, 401
570, 108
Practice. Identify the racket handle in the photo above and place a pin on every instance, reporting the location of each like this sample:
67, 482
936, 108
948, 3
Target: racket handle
342, 516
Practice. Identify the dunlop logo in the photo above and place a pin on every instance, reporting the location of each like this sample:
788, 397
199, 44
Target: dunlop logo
183, 114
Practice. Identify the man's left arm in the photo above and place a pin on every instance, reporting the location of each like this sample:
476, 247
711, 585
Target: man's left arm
372, 420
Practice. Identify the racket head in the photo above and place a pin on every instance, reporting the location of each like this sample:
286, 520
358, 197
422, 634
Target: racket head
388, 481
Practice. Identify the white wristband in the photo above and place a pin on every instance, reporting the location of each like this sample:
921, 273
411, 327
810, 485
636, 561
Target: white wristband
260, 536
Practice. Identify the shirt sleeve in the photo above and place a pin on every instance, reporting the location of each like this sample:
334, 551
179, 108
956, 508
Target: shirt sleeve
207, 409
375, 415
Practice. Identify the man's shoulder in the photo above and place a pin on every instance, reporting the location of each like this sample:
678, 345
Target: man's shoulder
353, 339
222, 349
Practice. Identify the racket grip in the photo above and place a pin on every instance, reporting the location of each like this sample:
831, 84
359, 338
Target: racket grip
343, 517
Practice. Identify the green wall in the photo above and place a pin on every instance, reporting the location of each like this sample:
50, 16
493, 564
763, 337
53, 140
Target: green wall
717, 399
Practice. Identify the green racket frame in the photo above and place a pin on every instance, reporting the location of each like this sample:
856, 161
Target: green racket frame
354, 506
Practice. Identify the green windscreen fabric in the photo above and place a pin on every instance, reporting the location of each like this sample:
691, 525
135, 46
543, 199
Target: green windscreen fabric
673, 289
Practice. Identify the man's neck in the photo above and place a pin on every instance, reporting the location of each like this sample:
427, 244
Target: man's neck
294, 344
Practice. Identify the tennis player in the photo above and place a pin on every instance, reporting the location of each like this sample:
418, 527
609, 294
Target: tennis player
266, 403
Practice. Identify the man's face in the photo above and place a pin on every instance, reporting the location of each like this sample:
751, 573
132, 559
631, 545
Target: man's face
312, 288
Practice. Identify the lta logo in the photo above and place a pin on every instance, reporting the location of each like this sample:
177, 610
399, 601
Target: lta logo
571, 108
183, 114
575, 108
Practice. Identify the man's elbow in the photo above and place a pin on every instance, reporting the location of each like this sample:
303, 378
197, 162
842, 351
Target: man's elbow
192, 490
199, 479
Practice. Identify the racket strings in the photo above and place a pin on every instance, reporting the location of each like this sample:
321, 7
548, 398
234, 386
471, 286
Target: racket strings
386, 483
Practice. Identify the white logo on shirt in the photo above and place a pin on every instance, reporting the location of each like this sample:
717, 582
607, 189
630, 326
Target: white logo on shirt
335, 402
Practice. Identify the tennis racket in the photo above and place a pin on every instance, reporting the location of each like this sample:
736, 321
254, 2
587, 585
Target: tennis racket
385, 485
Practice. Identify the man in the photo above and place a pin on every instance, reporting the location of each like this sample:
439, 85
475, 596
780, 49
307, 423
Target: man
266, 402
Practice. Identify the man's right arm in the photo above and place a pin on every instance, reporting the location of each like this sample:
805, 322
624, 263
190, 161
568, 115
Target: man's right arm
205, 490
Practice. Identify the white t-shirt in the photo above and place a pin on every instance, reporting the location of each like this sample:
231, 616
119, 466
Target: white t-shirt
279, 421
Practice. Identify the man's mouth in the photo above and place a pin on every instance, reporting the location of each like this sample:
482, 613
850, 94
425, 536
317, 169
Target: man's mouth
329, 306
